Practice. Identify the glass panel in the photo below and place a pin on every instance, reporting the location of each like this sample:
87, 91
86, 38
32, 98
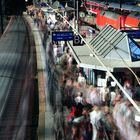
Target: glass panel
135, 50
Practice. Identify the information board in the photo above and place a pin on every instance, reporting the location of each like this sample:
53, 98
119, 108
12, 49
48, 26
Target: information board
62, 35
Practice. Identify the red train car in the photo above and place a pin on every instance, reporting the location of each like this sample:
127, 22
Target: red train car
111, 18
133, 21
118, 18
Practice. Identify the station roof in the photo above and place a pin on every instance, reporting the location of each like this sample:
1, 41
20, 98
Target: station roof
114, 48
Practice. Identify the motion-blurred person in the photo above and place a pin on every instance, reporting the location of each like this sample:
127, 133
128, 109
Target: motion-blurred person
113, 95
137, 93
106, 96
111, 128
95, 116
94, 96
128, 89
79, 98
68, 93
55, 52
124, 117
69, 62
81, 79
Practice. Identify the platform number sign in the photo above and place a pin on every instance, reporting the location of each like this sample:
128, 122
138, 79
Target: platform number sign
77, 41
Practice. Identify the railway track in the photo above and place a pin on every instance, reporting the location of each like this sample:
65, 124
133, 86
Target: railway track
18, 90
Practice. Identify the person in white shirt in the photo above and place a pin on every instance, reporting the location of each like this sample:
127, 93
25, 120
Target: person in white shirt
55, 50
95, 116
94, 96
69, 61
81, 79
79, 98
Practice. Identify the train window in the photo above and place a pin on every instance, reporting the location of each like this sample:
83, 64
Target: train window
134, 50
134, 15
137, 14
111, 15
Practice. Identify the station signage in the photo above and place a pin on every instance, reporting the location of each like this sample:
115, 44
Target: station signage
62, 36
77, 41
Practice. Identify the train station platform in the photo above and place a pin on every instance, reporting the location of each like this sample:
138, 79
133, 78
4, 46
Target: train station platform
45, 121
83, 56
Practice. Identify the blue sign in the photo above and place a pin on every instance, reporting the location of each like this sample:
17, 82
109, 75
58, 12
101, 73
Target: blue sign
135, 34
135, 50
62, 36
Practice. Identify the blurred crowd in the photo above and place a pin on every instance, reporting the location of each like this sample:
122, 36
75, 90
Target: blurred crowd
91, 113
96, 113
38, 17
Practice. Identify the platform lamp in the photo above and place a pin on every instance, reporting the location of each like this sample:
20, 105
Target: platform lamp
76, 14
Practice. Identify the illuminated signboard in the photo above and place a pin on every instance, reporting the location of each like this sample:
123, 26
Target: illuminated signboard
62, 36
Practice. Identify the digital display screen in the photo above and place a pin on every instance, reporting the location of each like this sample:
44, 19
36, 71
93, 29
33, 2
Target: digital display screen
62, 36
